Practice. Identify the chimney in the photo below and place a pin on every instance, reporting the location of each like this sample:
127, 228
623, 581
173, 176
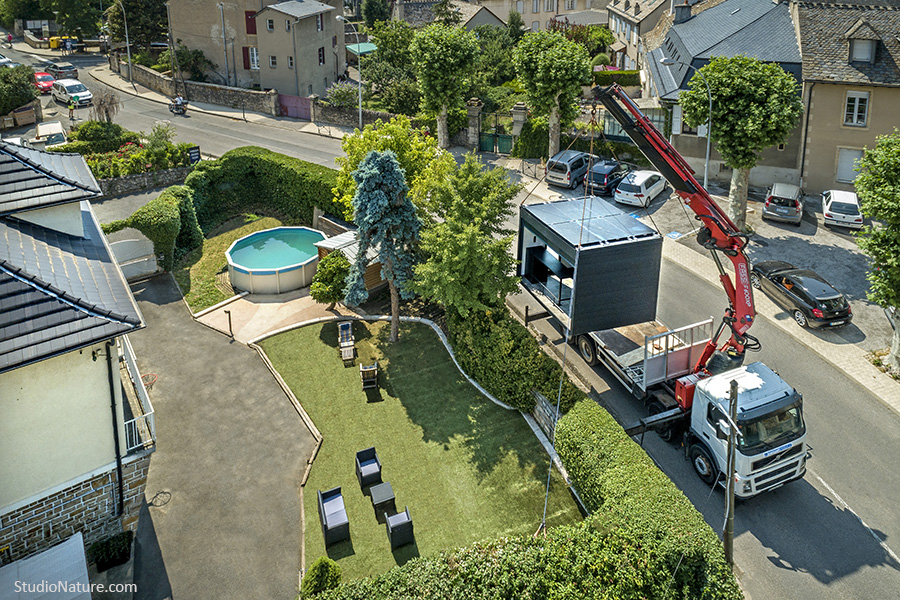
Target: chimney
682, 13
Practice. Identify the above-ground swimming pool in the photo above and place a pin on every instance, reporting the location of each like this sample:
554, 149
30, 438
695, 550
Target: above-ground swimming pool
275, 260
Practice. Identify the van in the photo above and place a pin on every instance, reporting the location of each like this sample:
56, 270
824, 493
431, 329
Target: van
49, 134
567, 168
784, 202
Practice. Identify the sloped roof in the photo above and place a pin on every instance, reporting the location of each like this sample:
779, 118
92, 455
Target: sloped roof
58, 292
348, 243
32, 179
586, 17
825, 33
635, 11
299, 8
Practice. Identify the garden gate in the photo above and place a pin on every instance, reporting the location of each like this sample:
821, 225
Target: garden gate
297, 107
496, 133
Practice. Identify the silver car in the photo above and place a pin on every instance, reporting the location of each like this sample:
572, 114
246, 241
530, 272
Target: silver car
784, 202
567, 168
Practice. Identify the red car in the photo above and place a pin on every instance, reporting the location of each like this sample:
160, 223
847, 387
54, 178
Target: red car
43, 82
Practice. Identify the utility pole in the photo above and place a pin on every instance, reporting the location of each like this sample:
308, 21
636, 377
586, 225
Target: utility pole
728, 537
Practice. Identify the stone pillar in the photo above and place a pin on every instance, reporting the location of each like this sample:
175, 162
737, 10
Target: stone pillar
473, 107
314, 108
519, 115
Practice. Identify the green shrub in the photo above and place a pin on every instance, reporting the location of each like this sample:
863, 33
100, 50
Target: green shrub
342, 94
114, 550
256, 180
324, 574
16, 88
457, 120
623, 78
94, 137
600, 59
329, 281
534, 142
506, 360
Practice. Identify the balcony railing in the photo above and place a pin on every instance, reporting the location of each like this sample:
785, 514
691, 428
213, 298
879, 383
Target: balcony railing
140, 428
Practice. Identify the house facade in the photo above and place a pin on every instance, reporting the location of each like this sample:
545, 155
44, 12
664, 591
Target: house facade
301, 47
76, 424
537, 14
851, 86
629, 21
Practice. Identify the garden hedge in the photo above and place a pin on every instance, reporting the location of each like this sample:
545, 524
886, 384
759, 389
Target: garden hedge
534, 142
623, 78
502, 356
253, 179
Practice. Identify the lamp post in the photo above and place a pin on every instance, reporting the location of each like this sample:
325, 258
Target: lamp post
669, 62
127, 45
359, 55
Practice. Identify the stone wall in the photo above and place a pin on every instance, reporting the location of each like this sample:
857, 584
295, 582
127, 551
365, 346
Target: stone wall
143, 181
347, 117
89, 507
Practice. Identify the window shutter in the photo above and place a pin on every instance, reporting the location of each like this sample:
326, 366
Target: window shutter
676, 119
251, 22
701, 130
246, 52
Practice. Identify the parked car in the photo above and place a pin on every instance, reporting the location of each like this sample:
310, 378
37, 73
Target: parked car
603, 177
640, 188
812, 301
842, 208
43, 82
567, 168
4, 60
62, 70
63, 89
784, 202
49, 134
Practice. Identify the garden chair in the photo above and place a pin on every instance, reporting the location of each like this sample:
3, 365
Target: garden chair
399, 529
333, 516
368, 468
369, 376
346, 341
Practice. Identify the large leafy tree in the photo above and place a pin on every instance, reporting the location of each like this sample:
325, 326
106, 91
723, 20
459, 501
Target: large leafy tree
552, 70
594, 38
387, 222
493, 64
16, 88
446, 14
755, 106
75, 16
515, 25
146, 21
422, 161
21, 9
469, 265
374, 11
878, 186
390, 67
444, 58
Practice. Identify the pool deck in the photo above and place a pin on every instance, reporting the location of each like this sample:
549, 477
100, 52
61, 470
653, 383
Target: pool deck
257, 314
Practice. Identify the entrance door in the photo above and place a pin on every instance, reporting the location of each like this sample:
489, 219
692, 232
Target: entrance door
846, 163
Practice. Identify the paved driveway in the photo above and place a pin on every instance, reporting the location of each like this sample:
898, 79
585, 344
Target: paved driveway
223, 487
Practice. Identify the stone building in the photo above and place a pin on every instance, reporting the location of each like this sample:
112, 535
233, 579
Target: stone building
76, 424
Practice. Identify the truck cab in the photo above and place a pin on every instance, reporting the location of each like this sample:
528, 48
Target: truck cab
771, 449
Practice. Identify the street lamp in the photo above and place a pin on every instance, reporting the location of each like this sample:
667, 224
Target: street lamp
127, 45
669, 62
359, 61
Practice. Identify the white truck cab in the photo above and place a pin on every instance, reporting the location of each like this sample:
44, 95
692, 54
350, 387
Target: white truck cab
771, 449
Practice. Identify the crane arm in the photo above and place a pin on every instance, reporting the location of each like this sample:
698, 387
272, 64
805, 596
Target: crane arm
718, 233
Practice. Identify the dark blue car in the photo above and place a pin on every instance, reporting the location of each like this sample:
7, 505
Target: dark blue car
604, 176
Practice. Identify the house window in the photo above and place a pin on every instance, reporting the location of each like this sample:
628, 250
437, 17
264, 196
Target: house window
309, 90
548, 5
571, 4
273, 62
287, 25
535, 25
321, 56
320, 23
253, 58
270, 24
847, 160
520, 6
862, 51
535, 7
856, 109
333, 41
290, 62
250, 22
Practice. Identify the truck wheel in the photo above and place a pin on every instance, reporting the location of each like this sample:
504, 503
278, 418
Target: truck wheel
587, 350
703, 464
669, 433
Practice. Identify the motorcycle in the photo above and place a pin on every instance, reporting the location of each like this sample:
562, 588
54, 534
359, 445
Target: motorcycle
178, 109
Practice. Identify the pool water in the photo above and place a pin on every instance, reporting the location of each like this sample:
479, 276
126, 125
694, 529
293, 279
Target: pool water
275, 249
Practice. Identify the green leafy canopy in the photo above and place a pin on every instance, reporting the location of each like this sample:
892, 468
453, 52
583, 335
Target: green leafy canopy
444, 58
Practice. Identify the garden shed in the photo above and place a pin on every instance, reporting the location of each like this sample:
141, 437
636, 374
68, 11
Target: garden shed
589, 264
348, 243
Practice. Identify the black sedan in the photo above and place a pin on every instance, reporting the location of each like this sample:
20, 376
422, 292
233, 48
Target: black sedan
604, 176
812, 301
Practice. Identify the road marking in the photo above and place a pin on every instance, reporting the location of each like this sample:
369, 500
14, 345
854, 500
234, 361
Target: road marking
881, 542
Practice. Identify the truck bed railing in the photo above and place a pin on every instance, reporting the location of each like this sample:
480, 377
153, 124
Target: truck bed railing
674, 353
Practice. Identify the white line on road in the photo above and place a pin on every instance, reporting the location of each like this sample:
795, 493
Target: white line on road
847, 506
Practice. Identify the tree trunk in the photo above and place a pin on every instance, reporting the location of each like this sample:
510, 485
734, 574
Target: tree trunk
553, 126
443, 136
737, 197
894, 356
395, 312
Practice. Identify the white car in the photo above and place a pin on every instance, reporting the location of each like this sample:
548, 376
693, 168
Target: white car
63, 89
640, 188
841, 208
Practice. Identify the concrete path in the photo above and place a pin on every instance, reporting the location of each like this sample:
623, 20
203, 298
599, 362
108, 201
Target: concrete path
223, 515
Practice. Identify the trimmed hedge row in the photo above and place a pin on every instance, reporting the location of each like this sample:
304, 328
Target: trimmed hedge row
506, 360
619, 483
623, 78
250, 179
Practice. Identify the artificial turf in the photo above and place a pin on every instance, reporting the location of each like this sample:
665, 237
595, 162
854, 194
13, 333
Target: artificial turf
467, 468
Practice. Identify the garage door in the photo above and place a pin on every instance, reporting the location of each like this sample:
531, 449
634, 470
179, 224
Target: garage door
846, 163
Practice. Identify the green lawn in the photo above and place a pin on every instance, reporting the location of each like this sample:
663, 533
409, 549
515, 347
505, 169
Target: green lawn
196, 271
468, 469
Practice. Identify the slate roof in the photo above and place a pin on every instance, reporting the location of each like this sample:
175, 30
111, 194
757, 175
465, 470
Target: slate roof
32, 179
585, 17
299, 8
757, 28
637, 11
825, 31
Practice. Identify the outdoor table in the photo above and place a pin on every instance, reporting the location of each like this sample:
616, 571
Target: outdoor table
382, 500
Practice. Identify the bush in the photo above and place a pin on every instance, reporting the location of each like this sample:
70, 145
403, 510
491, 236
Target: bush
16, 88
506, 360
457, 120
617, 479
534, 142
95, 137
329, 281
324, 574
252, 179
623, 78
342, 94
114, 550
134, 158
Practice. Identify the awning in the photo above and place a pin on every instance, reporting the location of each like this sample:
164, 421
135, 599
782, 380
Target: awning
60, 573
618, 46
362, 49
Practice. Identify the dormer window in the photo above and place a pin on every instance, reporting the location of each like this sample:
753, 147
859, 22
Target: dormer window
862, 51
